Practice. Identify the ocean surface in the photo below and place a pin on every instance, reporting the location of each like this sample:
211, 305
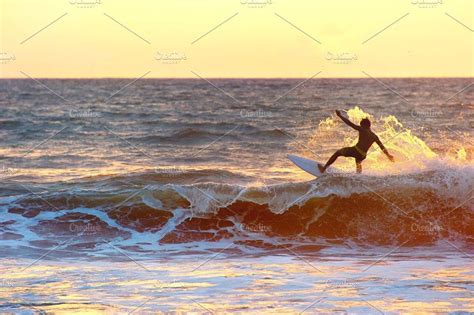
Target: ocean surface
176, 196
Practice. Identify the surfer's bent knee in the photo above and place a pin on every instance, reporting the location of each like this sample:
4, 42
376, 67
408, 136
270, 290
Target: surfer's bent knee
341, 152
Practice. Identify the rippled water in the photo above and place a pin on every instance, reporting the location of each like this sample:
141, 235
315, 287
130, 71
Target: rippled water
103, 128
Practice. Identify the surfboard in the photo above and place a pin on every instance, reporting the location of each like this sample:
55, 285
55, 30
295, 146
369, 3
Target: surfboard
307, 165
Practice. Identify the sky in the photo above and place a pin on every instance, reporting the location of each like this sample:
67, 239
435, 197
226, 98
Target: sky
236, 38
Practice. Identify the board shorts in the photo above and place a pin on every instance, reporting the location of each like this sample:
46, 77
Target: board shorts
354, 152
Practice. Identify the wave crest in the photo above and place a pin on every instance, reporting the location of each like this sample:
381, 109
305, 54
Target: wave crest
414, 209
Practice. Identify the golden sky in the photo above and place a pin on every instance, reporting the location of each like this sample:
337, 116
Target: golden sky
254, 38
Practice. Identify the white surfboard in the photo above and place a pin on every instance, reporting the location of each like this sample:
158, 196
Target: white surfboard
307, 165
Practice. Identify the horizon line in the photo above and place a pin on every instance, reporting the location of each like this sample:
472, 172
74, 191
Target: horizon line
237, 78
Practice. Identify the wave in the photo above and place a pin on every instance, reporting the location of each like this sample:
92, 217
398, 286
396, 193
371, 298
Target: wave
144, 210
195, 135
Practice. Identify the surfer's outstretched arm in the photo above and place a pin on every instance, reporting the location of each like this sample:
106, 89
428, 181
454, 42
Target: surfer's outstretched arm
390, 157
347, 121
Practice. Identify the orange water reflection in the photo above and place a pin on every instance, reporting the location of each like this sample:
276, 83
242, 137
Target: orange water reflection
263, 285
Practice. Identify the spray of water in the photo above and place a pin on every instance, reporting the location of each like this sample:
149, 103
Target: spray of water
411, 152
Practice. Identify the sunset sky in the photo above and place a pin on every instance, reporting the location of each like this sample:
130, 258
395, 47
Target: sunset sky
267, 39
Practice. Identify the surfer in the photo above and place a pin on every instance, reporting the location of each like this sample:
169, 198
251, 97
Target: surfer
359, 152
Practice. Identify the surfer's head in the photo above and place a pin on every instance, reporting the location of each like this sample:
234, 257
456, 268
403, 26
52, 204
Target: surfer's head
365, 123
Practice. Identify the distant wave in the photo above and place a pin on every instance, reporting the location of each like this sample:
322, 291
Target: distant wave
191, 135
9, 123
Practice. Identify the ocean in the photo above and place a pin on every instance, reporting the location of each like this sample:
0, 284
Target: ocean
176, 196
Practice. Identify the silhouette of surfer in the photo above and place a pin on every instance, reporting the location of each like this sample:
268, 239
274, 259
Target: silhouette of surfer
359, 152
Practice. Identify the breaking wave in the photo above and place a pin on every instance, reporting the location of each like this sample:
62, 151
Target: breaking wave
143, 212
